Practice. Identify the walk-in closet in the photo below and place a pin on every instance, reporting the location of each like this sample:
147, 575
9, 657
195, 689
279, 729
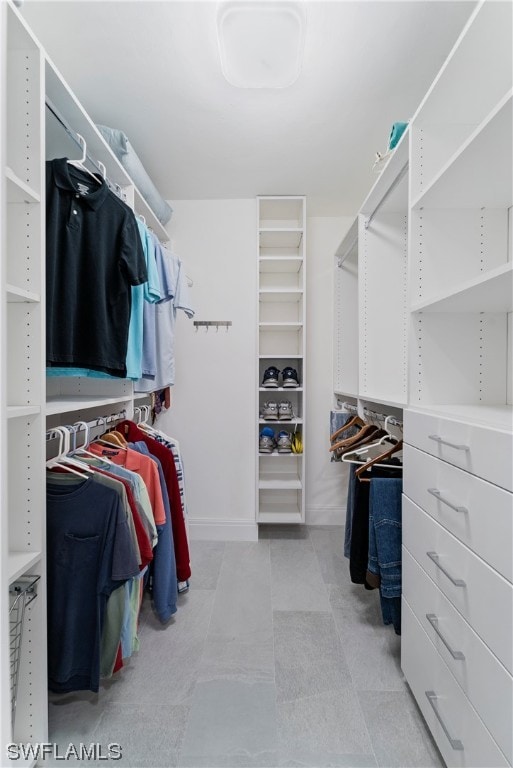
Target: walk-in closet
256, 391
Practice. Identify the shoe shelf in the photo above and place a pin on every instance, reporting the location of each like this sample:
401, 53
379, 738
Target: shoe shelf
281, 344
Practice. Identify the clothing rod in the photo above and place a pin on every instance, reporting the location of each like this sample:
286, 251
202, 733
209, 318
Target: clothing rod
350, 408
387, 194
101, 421
348, 250
73, 135
382, 416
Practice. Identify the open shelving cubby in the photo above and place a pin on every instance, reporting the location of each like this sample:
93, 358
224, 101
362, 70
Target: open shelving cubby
281, 342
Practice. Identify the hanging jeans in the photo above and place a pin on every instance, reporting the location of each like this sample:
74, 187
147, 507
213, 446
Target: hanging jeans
385, 537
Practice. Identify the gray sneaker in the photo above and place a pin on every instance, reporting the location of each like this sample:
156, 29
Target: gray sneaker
284, 442
270, 411
267, 443
285, 410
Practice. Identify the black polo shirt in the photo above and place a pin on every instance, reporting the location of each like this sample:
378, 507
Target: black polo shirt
94, 255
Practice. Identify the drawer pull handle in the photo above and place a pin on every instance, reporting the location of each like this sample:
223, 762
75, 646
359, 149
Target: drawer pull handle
433, 698
436, 493
435, 557
440, 440
433, 620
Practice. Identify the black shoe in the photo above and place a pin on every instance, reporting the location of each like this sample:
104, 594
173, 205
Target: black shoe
271, 376
290, 379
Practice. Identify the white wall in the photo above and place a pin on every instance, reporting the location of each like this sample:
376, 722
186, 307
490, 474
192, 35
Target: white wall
214, 397
326, 482
213, 410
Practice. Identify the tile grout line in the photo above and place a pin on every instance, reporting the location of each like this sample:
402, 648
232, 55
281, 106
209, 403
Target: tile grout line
179, 750
348, 667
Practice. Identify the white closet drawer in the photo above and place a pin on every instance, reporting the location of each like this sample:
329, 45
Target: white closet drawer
478, 513
484, 680
481, 450
481, 595
459, 732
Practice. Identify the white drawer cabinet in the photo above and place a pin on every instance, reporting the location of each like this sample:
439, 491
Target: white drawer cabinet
478, 513
482, 677
480, 450
480, 594
460, 734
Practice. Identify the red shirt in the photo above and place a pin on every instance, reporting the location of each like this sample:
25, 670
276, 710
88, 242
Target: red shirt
133, 433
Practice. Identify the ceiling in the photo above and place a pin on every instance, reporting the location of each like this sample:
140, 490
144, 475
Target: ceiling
153, 69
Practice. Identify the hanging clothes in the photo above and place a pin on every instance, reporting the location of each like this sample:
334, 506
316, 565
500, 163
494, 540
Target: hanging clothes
93, 249
89, 554
132, 433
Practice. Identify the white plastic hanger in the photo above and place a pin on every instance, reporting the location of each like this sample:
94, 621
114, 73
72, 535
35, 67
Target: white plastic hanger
64, 462
80, 164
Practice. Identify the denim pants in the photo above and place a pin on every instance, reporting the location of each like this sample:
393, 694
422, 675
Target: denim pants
385, 537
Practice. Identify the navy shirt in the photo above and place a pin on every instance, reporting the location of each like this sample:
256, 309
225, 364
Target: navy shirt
93, 255
89, 553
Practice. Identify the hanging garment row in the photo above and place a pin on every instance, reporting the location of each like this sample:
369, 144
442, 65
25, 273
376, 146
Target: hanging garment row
372, 540
113, 290
115, 526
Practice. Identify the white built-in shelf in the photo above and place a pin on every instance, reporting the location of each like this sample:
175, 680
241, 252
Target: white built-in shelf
288, 295
72, 111
479, 174
69, 403
279, 513
19, 411
339, 393
19, 563
20, 295
494, 416
285, 356
386, 185
286, 390
280, 326
276, 455
275, 481
280, 237
490, 292
18, 191
380, 401
141, 395
282, 264
271, 422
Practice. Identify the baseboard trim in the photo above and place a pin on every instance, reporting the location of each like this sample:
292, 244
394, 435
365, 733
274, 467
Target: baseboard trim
223, 530
326, 515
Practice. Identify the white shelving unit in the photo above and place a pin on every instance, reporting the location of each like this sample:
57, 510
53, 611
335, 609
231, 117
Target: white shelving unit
22, 388
29, 402
459, 423
281, 225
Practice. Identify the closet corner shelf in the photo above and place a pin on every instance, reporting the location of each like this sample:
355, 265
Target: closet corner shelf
289, 295
69, 403
478, 175
18, 411
341, 393
20, 295
272, 390
276, 455
490, 292
141, 395
19, 191
348, 247
19, 563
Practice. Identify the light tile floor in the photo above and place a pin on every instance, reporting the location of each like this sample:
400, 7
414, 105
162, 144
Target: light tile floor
273, 660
